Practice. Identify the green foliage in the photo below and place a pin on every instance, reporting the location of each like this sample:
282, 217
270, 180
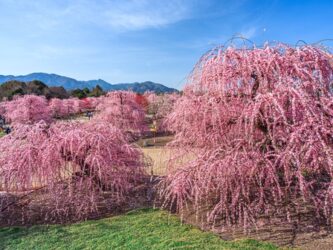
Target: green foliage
18, 91
97, 91
79, 93
38, 88
12, 88
59, 92
142, 229
83, 93
86, 91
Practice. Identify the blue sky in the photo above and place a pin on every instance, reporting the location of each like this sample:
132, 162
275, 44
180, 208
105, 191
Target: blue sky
139, 40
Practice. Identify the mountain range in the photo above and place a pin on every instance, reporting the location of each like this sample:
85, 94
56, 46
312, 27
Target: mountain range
71, 83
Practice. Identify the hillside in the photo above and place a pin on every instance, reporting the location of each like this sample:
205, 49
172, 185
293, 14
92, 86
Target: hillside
71, 83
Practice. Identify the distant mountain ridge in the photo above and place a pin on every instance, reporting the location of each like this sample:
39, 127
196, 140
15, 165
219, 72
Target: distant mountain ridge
71, 83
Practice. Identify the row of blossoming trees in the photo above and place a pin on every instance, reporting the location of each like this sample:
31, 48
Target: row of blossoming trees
120, 107
31, 108
71, 165
253, 136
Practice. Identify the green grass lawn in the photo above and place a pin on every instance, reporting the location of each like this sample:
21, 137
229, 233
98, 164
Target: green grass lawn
142, 229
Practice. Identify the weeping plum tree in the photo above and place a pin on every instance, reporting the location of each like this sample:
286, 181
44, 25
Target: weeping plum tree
121, 109
85, 104
89, 103
28, 109
74, 164
142, 101
152, 100
166, 104
94, 101
72, 106
61, 108
3, 108
160, 106
260, 123
58, 108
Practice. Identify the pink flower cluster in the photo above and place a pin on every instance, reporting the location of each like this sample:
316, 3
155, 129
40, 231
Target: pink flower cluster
74, 163
120, 109
255, 127
27, 109
30, 109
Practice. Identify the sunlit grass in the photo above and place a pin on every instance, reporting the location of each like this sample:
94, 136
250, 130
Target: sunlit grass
143, 229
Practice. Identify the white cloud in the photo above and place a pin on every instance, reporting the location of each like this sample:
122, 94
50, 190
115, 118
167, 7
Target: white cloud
141, 14
115, 14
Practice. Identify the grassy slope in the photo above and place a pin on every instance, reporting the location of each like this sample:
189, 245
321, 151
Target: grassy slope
143, 229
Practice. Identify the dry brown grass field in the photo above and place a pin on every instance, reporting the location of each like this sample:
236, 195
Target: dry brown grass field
156, 152
159, 155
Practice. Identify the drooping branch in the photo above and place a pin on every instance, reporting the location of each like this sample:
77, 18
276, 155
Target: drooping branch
252, 131
49, 156
255, 85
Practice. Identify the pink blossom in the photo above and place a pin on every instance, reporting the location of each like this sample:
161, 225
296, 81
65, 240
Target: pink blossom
28, 109
73, 162
257, 125
120, 109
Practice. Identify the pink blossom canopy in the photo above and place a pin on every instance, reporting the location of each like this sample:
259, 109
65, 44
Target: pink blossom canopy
257, 125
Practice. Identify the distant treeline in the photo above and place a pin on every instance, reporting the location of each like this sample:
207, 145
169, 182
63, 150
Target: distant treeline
12, 88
